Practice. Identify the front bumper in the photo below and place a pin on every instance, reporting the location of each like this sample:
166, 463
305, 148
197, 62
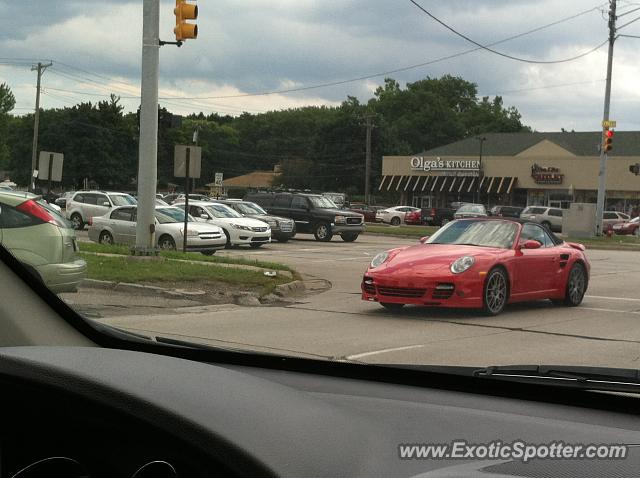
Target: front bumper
444, 290
248, 237
342, 228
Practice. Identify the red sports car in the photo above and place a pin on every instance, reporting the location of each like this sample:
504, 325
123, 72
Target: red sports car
480, 263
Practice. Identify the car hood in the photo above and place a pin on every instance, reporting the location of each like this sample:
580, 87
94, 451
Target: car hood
268, 217
243, 221
434, 256
342, 212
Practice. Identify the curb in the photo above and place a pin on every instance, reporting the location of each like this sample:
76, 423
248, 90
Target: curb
282, 291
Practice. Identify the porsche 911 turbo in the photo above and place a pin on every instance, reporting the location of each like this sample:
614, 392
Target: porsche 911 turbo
482, 263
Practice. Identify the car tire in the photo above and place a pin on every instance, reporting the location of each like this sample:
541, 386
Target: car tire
392, 306
576, 285
256, 245
349, 236
76, 220
208, 253
322, 232
167, 243
395, 221
228, 244
282, 239
106, 238
495, 292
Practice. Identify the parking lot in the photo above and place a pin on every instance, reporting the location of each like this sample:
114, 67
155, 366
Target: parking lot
338, 325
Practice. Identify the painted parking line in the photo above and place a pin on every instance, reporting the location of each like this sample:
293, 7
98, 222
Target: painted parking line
383, 351
604, 297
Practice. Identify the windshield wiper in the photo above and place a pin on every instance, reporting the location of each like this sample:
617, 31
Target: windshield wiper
587, 378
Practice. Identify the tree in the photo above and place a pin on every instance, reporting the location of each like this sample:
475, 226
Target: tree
7, 103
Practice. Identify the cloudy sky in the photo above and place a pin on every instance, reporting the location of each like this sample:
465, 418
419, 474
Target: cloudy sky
255, 46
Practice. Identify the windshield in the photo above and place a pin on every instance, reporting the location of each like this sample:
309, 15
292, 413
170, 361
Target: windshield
477, 233
221, 211
122, 200
322, 202
289, 111
250, 208
167, 215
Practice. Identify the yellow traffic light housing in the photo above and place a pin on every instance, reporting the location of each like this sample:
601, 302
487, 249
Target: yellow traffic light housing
185, 11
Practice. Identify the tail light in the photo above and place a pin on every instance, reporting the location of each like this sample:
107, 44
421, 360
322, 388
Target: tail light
90, 222
34, 209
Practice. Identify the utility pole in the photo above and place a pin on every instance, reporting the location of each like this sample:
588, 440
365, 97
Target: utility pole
148, 149
36, 121
602, 174
481, 139
367, 168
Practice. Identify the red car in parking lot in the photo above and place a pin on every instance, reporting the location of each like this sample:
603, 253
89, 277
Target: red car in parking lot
479, 263
625, 228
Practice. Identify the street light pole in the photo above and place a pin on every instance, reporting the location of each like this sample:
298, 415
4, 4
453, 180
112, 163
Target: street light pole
481, 139
148, 150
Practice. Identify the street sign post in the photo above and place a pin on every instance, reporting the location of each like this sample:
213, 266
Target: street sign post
187, 160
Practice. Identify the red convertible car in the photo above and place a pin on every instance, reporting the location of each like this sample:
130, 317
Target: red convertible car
479, 263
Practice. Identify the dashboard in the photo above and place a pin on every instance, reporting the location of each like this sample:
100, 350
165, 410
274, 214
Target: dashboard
98, 412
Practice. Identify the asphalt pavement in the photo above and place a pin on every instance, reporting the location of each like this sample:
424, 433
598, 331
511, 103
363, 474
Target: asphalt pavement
338, 325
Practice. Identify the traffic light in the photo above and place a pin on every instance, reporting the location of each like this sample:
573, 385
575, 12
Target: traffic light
635, 169
185, 11
608, 139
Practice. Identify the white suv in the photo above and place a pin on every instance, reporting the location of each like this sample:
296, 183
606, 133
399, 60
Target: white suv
550, 217
84, 205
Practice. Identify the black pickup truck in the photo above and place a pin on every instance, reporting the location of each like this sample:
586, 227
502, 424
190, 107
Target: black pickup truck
437, 216
312, 213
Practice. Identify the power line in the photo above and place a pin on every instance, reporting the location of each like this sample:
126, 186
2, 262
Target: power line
496, 52
546, 87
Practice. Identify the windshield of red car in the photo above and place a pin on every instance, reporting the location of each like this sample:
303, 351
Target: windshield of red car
477, 233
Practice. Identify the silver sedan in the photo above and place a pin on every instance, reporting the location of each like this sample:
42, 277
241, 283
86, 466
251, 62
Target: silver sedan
119, 227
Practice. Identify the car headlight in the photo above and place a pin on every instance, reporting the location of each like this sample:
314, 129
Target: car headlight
272, 222
240, 226
379, 259
340, 220
462, 264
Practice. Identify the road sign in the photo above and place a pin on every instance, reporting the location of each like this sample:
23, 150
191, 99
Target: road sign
609, 124
180, 161
50, 162
218, 179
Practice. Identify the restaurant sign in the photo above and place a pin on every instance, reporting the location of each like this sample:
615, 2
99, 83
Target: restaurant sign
446, 167
546, 175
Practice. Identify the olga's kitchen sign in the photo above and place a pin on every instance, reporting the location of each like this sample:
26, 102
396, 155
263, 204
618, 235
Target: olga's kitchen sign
446, 167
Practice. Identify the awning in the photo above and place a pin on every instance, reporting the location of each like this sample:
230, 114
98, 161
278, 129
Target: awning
451, 184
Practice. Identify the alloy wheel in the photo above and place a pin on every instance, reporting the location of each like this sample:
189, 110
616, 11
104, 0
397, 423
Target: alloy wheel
576, 285
495, 296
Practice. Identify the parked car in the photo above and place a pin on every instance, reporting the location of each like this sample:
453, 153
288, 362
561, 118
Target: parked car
482, 263
413, 217
470, 210
611, 218
437, 216
119, 227
62, 200
192, 197
312, 213
550, 217
161, 202
394, 215
339, 199
238, 230
42, 239
630, 227
84, 205
282, 228
506, 211
369, 212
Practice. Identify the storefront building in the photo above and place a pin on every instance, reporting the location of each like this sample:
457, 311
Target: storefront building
518, 169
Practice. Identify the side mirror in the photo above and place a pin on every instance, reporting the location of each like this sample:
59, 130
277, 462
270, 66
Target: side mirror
530, 244
204, 216
106, 203
424, 239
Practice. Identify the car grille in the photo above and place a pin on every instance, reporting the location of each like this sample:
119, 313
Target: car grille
209, 235
401, 292
442, 294
354, 220
369, 288
259, 239
286, 226
259, 229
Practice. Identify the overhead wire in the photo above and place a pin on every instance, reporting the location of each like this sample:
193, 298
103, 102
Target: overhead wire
505, 55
